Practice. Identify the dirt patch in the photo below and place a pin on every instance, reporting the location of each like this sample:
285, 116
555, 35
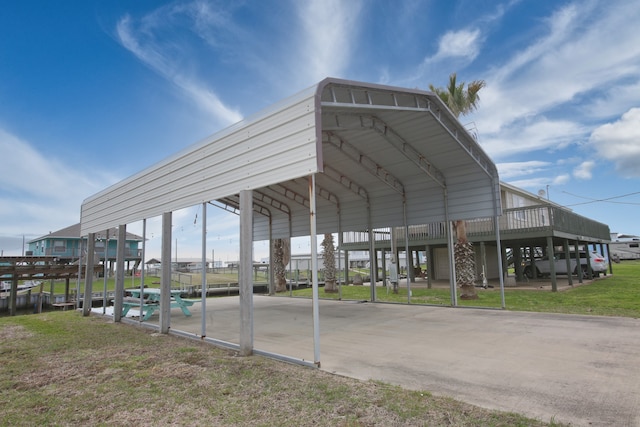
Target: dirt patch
14, 332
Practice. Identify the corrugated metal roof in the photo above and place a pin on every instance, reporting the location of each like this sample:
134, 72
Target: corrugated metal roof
370, 146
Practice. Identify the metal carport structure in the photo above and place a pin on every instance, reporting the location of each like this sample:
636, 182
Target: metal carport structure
338, 156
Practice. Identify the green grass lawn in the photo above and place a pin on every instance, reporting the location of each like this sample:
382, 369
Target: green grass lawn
62, 369
221, 278
616, 295
98, 284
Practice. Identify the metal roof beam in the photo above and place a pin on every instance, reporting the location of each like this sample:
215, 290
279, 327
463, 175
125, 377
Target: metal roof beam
225, 206
327, 195
404, 147
270, 201
232, 206
356, 97
302, 200
346, 182
365, 161
290, 194
478, 155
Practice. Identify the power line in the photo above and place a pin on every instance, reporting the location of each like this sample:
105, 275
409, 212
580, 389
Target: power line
608, 199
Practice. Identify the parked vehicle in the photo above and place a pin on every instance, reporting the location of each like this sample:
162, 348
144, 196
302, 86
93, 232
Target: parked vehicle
599, 264
624, 247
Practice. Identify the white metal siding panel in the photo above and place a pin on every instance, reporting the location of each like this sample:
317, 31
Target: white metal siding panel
280, 227
271, 149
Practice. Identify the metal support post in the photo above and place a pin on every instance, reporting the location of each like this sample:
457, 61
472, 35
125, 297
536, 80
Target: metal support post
165, 275
245, 270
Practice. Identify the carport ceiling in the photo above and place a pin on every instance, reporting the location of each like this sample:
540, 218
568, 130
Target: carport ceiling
381, 156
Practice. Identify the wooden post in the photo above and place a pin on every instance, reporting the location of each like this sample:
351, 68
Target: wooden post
13, 296
567, 256
552, 264
516, 253
88, 274
429, 257
66, 290
383, 270
483, 261
577, 256
51, 293
346, 267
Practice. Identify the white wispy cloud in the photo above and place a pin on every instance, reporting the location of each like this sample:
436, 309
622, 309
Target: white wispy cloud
559, 28
40, 192
533, 175
459, 47
538, 134
585, 61
143, 38
316, 42
459, 44
531, 184
619, 142
538, 183
510, 170
573, 56
531, 81
584, 170
561, 179
327, 35
617, 98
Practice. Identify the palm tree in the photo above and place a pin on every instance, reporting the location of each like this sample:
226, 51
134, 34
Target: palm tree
462, 102
281, 255
329, 259
459, 100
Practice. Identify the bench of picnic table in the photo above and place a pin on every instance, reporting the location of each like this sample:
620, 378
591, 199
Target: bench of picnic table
148, 307
151, 301
64, 305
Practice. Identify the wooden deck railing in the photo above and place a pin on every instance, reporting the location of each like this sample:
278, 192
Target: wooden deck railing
517, 221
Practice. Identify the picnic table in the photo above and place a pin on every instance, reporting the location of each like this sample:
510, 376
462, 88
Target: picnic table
151, 301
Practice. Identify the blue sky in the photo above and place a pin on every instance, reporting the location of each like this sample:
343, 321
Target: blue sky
93, 91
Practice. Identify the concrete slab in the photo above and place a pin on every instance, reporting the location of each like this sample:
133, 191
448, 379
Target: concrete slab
584, 370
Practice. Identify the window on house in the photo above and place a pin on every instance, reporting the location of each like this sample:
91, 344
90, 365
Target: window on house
60, 246
519, 202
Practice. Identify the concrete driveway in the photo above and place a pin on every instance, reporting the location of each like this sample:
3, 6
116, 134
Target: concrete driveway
583, 370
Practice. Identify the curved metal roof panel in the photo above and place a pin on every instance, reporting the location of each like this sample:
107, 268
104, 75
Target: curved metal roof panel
381, 155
